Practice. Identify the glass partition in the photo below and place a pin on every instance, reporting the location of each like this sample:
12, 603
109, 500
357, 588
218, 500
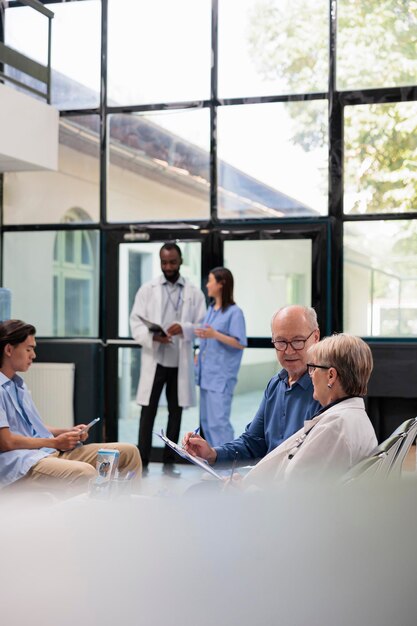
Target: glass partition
54, 280
380, 279
69, 195
139, 262
380, 158
75, 54
272, 47
26, 31
376, 44
272, 160
268, 275
158, 51
159, 166
258, 366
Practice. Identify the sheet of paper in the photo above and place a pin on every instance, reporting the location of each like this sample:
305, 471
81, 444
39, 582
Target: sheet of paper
185, 455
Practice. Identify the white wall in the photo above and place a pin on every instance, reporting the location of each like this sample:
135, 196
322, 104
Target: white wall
28, 132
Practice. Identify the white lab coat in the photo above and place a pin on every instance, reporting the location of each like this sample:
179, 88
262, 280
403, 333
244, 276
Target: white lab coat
148, 304
340, 437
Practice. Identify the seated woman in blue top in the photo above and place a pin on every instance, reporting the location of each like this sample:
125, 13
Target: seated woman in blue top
222, 340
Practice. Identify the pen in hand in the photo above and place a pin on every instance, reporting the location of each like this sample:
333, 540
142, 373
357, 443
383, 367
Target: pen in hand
195, 432
233, 466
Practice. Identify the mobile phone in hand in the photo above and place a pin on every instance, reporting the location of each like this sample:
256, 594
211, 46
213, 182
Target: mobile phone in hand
89, 425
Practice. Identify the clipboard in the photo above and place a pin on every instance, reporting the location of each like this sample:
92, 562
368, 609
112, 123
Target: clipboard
154, 328
186, 455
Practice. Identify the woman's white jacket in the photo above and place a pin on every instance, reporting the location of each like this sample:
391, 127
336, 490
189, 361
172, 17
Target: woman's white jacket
336, 440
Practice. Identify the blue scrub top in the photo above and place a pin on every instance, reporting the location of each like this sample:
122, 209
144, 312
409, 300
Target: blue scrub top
218, 364
18, 412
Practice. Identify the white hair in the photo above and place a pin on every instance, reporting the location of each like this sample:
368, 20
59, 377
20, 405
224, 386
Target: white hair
308, 312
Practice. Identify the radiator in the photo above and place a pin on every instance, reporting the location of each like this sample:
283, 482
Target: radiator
52, 388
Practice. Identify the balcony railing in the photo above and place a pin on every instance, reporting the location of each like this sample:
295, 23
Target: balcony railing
26, 65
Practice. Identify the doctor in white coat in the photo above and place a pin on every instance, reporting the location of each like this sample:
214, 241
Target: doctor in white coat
177, 305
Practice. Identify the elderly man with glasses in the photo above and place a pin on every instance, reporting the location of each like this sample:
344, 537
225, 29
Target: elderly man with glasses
288, 397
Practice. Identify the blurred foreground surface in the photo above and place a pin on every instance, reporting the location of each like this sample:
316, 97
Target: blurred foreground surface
293, 557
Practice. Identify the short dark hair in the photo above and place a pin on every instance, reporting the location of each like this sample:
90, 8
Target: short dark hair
225, 278
171, 246
14, 332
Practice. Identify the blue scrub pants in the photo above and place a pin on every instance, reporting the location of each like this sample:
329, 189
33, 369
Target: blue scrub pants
215, 408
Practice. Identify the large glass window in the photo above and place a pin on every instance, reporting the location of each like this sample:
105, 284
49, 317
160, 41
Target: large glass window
75, 54
158, 51
49, 197
159, 166
376, 44
380, 158
258, 366
265, 151
19, 23
53, 278
380, 278
268, 275
272, 47
140, 262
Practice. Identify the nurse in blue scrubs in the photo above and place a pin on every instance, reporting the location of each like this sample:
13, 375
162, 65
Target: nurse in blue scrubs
222, 340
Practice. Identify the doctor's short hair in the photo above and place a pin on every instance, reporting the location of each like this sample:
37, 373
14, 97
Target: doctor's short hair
14, 332
350, 356
169, 245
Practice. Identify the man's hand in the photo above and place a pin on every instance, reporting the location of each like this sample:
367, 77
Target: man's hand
67, 441
197, 446
175, 329
162, 339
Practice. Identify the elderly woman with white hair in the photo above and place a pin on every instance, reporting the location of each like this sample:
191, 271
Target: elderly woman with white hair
340, 434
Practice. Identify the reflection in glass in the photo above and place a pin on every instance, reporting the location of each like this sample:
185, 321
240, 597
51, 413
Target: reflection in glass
69, 195
380, 279
159, 166
272, 160
76, 46
272, 47
165, 46
376, 44
75, 54
139, 262
59, 292
268, 275
258, 366
18, 23
380, 158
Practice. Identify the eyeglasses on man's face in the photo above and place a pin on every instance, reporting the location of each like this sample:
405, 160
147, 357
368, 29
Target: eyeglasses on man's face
311, 367
296, 344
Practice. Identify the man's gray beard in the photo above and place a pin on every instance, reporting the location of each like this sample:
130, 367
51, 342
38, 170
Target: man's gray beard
299, 371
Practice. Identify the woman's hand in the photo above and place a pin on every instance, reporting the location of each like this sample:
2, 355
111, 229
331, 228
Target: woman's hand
79, 428
233, 482
206, 332
67, 441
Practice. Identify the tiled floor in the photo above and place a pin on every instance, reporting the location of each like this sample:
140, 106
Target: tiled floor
155, 483
244, 408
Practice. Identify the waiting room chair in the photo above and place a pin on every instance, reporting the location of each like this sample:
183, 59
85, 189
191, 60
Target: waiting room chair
378, 464
408, 432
